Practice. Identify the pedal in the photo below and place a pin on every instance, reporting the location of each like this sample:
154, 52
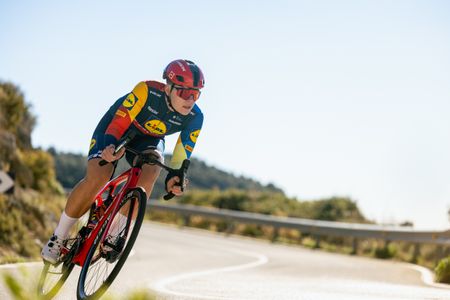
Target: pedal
115, 249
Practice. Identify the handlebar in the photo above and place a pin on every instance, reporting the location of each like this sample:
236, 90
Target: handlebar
151, 158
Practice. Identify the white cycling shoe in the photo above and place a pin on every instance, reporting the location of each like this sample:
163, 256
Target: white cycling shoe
52, 249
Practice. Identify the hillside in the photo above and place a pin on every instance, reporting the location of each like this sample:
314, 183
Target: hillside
28, 214
70, 168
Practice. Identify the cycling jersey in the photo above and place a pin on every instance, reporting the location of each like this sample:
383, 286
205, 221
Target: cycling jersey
145, 112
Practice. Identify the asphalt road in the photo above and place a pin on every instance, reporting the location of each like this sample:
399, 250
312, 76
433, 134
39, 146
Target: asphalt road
187, 263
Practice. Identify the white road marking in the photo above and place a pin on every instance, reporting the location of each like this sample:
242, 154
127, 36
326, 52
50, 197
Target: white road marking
161, 285
427, 276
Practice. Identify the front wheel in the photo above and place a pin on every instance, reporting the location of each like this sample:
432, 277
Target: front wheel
106, 257
52, 276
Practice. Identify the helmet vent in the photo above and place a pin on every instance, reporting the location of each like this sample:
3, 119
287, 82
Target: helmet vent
180, 78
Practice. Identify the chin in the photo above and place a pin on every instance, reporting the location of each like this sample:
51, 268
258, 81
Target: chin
184, 111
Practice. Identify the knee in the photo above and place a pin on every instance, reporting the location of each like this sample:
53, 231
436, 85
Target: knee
149, 175
96, 176
151, 172
94, 183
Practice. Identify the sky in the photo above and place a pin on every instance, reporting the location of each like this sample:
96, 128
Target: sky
321, 98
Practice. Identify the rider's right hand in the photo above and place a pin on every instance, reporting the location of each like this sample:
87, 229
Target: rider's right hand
108, 153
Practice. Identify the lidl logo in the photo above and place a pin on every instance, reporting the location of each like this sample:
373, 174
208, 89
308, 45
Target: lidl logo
93, 141
156, 127
194, 135
129, 101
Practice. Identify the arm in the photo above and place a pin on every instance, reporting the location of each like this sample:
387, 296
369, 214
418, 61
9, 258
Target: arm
126, 113
183, 150
186, 141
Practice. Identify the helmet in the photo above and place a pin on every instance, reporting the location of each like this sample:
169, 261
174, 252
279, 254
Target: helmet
184, 73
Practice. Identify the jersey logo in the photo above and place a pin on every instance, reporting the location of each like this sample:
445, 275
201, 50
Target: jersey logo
194, 135
156, 127
93, 141
121, 113
129, 101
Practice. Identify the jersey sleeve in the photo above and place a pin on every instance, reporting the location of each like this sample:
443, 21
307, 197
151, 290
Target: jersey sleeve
186, 141
126, 113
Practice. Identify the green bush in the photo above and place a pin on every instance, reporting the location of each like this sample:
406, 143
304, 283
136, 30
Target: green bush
26, 220
385, 252
442, 271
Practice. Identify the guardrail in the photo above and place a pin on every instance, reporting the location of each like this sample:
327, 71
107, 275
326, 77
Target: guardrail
314, 227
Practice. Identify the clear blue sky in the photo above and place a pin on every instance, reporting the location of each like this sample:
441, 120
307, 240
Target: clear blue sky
322, 98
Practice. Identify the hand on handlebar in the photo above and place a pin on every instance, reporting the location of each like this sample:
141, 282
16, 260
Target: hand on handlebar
174, 186
108, 153
176, 181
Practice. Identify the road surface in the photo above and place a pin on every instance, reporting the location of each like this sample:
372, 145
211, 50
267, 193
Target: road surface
187, 263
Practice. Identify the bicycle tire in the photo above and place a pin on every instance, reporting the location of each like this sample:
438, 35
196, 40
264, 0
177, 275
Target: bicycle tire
49, 293
141, 199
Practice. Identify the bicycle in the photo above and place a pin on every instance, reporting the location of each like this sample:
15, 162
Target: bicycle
120, 206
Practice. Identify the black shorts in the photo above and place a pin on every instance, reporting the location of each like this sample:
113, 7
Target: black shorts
140, 142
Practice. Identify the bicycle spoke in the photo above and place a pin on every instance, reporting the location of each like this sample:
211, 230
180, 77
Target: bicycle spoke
106, 257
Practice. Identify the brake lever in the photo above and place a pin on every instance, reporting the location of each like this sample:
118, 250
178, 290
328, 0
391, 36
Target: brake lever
121, 145
182, 175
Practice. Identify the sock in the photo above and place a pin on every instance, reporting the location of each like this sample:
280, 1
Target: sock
65, 224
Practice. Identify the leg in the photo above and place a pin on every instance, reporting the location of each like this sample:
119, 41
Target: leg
81, 197
79, 201
147, 180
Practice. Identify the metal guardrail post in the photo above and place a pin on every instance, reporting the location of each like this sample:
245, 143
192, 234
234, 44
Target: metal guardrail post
317, 240
276, 233
354, 246
230, 227
186, 220
416, 253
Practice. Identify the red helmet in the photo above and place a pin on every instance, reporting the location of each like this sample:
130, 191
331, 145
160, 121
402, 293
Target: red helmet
184, 73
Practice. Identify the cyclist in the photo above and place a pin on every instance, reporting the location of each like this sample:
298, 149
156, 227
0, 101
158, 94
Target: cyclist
150, 111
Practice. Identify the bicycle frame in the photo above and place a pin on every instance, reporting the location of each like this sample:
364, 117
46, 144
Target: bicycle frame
131, 177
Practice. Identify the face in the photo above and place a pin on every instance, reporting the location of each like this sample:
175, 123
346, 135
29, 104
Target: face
181, 105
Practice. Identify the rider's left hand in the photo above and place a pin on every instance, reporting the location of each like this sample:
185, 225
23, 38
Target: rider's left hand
176, 189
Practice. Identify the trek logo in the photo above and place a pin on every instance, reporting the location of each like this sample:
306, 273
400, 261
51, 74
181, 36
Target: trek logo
156, 127
181, 66
130, 101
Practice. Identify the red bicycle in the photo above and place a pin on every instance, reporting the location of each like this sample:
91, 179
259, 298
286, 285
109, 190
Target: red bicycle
102, 248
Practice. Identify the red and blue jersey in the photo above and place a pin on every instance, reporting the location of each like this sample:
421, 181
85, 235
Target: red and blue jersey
145, 111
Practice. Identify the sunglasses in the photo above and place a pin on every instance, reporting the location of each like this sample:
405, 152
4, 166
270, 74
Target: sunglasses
187, 93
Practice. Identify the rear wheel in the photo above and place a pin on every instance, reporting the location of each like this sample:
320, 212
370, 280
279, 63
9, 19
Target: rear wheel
106, 257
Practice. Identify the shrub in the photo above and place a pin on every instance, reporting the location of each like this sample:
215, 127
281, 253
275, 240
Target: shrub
385, 252
442, 271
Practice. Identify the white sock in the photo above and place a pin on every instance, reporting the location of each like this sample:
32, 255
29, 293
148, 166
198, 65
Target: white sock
118, 224
65, 224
